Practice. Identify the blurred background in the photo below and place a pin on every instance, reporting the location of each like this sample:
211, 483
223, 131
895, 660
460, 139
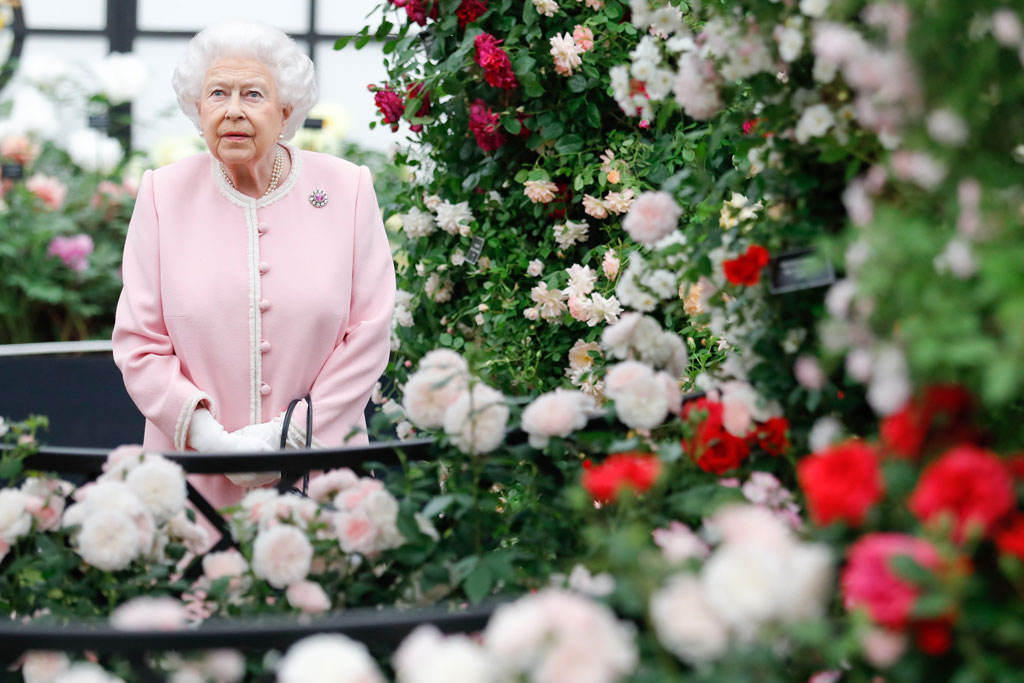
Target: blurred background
78, 34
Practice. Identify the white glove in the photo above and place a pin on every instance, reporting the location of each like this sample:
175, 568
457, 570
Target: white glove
206, 435
268, 433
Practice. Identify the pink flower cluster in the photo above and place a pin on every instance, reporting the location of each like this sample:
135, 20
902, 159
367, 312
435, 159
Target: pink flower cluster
48, 189
74, 251
418, 10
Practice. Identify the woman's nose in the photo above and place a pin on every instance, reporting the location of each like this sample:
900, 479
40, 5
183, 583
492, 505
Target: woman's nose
235, 105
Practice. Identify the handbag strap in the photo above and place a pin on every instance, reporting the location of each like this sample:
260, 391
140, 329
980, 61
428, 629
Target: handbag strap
309, 429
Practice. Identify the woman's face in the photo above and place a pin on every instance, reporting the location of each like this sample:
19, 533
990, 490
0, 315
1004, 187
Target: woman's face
239, 111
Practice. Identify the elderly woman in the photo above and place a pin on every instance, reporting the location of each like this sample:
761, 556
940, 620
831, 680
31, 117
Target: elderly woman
254, 274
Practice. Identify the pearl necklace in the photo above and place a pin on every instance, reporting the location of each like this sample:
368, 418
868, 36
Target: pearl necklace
275, 174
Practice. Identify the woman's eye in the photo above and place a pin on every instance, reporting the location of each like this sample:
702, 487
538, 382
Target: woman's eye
253, 95
217, 93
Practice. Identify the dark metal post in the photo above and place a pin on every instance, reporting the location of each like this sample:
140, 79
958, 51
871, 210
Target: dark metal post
122, 27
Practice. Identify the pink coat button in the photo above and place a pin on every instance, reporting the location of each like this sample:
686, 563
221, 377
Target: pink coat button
265, 389
264, 305
262, 227
264, 266
264, 346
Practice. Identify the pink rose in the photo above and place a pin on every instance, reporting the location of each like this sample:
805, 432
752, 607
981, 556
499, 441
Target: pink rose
678, 543
281, 555
309, 597
51, 191
610, 264
356, 533
577, 307
74, 251
325, 486
227, 563
652, 216
19, 148
149, 614
584, 37
808, 373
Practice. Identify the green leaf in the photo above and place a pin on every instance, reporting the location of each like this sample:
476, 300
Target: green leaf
933, 606
553, 132
219, 587
523, 65
512, 125
570, 144
438, 505
577, 83
479, 582
342, 42
908, 568
445, 339
593, 115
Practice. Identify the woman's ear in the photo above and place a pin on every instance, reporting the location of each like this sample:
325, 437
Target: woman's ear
286, 113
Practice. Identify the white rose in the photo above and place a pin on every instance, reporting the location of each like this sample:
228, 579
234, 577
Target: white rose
640, 397
44, 667
426, 656
814, 8
429, 393
86, 672
160, 485
684, 622
109, 540
806, 591
557, 413
475, 422
15, 520
121, 77
328, 658
741, 583
93, 151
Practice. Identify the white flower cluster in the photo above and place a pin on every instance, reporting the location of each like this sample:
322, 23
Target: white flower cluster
646, 68
571, 232
642, 287
93, 151
443, 393
39, 502
438, 288
738, 210
558, 636
418, 223
367, 519
454, 219
584, 303
759, 576
328, 657
640, 337
132, 511
549, 637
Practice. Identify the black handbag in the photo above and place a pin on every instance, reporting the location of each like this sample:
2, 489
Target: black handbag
309, 430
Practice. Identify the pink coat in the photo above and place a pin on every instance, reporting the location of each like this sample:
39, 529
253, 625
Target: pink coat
244, 304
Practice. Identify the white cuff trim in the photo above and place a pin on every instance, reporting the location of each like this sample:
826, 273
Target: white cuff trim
185, 419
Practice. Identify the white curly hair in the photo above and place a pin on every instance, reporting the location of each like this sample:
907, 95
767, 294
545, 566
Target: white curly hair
292, 70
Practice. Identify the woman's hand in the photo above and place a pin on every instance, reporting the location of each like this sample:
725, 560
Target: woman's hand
267, 433
206, 435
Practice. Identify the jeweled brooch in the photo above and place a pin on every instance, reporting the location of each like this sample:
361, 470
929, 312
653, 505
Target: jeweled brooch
318, 198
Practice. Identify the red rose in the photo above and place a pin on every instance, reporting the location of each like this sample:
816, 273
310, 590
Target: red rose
969, 483
390, 105
637, 471
494, 61
841, 482
746, 269
484, 125
1010, 540
944, 411
712, 447
418, 9
771, 436
869, 581
469, 11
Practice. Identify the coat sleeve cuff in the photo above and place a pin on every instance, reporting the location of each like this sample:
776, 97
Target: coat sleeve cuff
185, 419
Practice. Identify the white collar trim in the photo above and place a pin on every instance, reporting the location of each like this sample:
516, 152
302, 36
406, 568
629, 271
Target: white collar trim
236, 197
